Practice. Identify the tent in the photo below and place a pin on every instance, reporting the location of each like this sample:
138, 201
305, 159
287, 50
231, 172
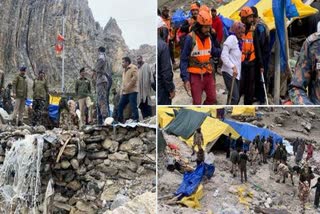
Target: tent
249, 131
188, 121
212, 111
53, 107
244, 111
165, 115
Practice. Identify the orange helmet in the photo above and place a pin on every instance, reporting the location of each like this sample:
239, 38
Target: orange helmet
204, 18
205, 8
194, 6
245, 12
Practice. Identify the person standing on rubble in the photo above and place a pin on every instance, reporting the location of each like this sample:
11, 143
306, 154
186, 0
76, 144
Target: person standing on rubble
83, 91
195, 63
303, 195
197, 140
300, 151
7, 102
260, 148
234, 158
40, 98
103, 73
145, 80
304, 88
250, 58
243, 158
317, 194
266, 150
228, 145
129, 89
20, 93
231, 61
295, 146
309, 151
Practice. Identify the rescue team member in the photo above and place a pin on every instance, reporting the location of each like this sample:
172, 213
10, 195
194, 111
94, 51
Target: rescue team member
195, 63
170, 39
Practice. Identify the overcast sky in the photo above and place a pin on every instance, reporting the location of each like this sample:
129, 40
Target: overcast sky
136, 19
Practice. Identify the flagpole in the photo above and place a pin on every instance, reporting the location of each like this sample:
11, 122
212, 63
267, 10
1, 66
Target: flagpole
63, 47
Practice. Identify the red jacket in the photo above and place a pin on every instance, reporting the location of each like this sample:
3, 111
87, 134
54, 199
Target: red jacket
218, 27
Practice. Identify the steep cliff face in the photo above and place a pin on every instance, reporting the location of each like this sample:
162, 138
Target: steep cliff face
28, 31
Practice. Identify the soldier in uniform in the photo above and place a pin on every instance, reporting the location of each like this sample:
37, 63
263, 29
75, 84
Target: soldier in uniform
283, 172
7, 102
40, 98
303, 195
304, 88
234, 158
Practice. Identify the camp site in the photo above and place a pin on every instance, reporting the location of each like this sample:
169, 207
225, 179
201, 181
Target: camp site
275, 141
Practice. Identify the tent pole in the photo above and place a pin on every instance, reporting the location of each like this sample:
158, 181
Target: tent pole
277, 72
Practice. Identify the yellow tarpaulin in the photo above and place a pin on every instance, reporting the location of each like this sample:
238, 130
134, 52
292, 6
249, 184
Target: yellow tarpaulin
264, 8
163, 118
193, 200
243, 111
212, 129
54, 100
211, 110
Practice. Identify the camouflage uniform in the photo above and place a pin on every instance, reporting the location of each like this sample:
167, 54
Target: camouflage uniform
303, 194
197, 140
103, 85
67, 120
7, 102
306, 75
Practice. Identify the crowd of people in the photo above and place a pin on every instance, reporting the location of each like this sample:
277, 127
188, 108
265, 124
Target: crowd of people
266, 151
244, 53
137, 84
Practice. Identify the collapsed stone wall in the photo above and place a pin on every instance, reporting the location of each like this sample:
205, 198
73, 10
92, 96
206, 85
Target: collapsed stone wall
93, 171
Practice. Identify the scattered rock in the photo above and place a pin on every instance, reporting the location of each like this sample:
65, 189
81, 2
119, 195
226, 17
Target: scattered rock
109, 194
98, 155
74, 185
65, 164
85, 207
121, 156
279, 120
75, 163
306, 125
119, 201
133, 146
110, 145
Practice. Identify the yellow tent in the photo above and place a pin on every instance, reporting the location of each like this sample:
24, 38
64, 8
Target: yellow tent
211, 110
163, 118
264, 8
212, 129
243, 111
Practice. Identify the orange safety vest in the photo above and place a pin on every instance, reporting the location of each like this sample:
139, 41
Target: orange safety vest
199, 60
248, 47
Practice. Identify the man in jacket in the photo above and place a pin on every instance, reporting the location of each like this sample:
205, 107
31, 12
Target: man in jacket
195, 64
103, 71
145, 80
129, 89
83, 91
20, 93
166, 88
40, 98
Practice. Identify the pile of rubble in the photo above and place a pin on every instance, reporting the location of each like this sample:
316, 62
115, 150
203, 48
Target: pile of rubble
98, 169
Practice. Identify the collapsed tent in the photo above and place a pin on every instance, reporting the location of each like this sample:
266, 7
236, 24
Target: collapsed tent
188, 121
212, 111
53, 107
165, 116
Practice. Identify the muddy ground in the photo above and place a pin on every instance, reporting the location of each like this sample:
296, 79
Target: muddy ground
220, 193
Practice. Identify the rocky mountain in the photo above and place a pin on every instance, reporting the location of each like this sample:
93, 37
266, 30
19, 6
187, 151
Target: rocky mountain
28, 32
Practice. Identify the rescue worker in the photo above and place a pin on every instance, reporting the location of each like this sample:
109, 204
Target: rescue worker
243, 158
166, 87
303, 195
309, 151
129, 89
189, 23
304, 88
196, 68
7, 102
266, 150
249, 58
317, 194
260, 148
283, 172
83, 92
170, 39
262, 52
20, 93
40, 99
197, 140
295, 146
228, 145
103, 73
145, 80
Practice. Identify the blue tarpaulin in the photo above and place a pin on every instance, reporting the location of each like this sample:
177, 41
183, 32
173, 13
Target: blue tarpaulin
249, 132
53, 109
191, 180
178, 18
278, 7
